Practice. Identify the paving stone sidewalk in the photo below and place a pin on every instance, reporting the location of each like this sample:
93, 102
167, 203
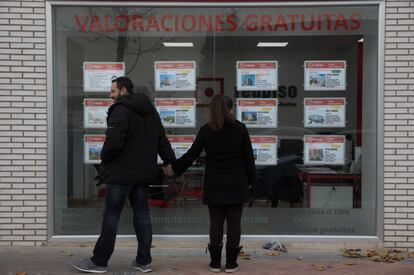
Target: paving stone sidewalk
181, 261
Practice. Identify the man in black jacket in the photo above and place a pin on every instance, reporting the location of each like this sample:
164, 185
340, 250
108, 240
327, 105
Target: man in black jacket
134, 137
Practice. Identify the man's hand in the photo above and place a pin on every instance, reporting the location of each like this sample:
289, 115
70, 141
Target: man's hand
168, 171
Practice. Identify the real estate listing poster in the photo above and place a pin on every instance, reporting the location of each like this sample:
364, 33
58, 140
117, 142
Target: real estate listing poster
92, 148
176, 112
324, 112
180, 145
257, 75
264, 149
95, 112
325, 75
258, 112
175, 76
324, 149
98, 76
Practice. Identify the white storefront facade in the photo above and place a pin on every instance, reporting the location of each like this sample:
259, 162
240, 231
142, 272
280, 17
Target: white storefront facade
324, 87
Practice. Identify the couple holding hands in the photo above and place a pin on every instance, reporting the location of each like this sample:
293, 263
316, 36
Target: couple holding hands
134, 137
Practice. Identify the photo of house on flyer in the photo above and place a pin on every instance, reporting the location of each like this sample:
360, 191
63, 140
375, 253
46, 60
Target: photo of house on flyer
258, 112
325, 75
257, 75
324, 112
324, 149
175, 76
176, 112
264, 149
92, 148
95, 112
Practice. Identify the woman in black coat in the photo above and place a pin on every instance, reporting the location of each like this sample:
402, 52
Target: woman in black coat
229, 174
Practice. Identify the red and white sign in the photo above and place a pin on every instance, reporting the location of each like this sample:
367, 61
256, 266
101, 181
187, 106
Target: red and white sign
327, 150
327, 75
176, 112
258, 112
95, 112
257, 75
175, 76
199, 20
181, 139
92, 148
324, 112
98, 76
264, 149
325, 64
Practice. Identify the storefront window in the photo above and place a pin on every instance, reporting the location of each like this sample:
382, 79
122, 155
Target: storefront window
309, 103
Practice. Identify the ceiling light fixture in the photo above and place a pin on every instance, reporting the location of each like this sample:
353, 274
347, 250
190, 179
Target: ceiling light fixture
178, 44
272, 44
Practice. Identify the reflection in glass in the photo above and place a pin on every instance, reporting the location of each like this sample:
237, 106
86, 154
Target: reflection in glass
290, 198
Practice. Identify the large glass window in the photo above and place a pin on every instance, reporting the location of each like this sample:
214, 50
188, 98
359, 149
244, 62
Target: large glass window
324, 181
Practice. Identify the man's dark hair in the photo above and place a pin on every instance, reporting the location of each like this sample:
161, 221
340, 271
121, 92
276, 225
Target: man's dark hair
124, 82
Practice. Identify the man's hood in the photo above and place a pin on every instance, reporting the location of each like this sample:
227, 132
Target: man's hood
138, 102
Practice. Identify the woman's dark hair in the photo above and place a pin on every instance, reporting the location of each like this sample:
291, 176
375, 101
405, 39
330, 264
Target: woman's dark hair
124, 82
220, 108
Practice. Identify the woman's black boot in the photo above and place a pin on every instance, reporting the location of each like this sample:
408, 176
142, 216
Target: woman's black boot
215, 255
231, 258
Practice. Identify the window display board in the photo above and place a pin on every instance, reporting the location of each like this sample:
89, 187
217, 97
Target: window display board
176, 112
92, 148
258, 112
324, 112
325, 75
180, 145
327, 150
257, 75
264, 149
95, 112
175, 76
98, 76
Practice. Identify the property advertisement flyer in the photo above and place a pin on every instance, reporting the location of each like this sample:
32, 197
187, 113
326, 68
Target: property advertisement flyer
180, 145
175, 76
257, 75
264, 149
327, 150
98, 76
92, 148
95, 112
176, 112
325, 75
324, 112
258, 112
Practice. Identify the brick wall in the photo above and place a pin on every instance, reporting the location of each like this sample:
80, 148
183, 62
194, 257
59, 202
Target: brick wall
23, 184
399, 125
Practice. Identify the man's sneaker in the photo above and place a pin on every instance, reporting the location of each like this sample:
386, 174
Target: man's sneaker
232, 269
88, 266
214, 269
141, 267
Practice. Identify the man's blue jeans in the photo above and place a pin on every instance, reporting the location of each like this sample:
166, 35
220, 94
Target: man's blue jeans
115, 199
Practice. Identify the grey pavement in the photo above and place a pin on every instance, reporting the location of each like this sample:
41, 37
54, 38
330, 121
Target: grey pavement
179, 261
